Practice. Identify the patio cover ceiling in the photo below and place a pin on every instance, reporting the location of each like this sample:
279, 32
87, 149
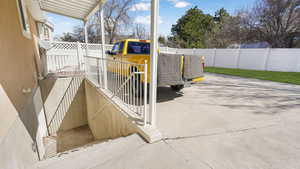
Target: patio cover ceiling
79, 9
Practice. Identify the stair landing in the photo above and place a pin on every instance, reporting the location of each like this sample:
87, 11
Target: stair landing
92, 155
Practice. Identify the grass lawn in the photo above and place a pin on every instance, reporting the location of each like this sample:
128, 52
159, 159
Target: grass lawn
284, 77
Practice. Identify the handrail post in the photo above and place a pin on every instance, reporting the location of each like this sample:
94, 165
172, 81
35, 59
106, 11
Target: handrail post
98, 72
145, 92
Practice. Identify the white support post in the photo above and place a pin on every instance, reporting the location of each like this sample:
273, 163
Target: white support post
145, 92
86, 38
79, 55
154, 51
103, 47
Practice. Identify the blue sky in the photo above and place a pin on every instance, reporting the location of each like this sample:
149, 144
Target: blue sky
170, 11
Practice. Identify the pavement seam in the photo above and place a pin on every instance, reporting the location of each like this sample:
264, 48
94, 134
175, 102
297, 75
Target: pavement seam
218, 133
118, 156
183, 157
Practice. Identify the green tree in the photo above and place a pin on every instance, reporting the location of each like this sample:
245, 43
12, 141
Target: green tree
192, 29
162, 39
222, 35
221, 16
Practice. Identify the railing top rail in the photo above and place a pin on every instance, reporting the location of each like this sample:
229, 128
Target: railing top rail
64, 42
113, 60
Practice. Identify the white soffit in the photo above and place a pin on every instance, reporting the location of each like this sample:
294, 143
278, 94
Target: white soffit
79, 9
35, 10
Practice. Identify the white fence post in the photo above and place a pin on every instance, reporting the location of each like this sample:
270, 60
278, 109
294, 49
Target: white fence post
298, 64
214, 58
267, 58
238, 59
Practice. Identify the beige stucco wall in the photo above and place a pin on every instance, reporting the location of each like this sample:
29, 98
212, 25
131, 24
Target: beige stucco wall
76, 116
17, 66
109, 123
17, 72
15, 142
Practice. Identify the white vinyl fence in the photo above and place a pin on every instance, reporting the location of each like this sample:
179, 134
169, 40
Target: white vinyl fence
285, 60
64, 57
68, 55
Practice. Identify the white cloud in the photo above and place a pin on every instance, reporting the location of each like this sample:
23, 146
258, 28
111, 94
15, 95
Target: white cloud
180, 3
145, 20
142, 6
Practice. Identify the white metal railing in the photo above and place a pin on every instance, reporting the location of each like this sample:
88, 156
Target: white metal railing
55, 119
124, 82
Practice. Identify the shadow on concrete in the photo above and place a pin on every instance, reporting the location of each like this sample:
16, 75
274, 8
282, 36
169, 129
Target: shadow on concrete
258, 99
46, 86
74, 138
165, 94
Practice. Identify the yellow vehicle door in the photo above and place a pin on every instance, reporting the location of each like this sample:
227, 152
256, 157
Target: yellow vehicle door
137, 52
115, 57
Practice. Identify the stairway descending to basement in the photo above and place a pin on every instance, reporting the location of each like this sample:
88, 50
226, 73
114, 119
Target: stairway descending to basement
56, 119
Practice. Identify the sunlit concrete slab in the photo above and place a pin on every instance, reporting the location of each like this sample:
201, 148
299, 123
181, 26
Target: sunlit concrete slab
223, 122
267, 147
92, 155
226, 103
158, 155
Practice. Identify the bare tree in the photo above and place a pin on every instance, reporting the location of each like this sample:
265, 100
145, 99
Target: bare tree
116, 19
274, 21
116, 16
140, 32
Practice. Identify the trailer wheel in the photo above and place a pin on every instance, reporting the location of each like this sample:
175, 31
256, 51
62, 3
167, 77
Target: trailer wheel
177, 88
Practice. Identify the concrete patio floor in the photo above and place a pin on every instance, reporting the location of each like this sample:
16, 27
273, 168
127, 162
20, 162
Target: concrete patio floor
223, 123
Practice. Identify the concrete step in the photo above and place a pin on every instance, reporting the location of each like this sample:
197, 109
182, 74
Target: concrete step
92, 155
